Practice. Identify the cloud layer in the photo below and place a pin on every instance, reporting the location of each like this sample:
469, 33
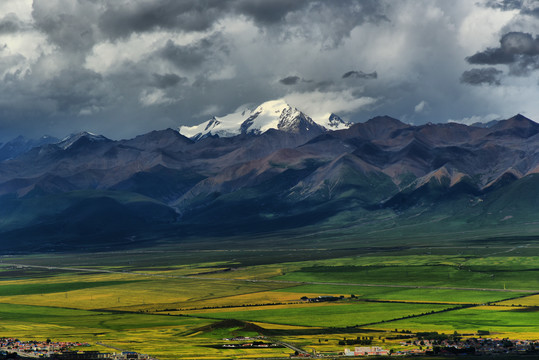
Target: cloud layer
125, 67
517, 49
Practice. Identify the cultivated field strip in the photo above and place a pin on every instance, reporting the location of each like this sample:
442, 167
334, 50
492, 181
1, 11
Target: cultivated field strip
530, 291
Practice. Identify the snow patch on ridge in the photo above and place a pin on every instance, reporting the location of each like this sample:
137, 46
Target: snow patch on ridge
66, 142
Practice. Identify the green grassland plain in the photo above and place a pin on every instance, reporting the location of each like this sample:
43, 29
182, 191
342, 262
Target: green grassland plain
163, 300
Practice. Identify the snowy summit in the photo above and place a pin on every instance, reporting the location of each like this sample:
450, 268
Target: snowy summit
276, 114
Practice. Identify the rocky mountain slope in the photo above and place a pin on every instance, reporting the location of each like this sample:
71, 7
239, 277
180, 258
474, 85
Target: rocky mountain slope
20, 145
108, 192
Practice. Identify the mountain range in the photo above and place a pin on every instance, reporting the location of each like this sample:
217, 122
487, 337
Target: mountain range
268, 169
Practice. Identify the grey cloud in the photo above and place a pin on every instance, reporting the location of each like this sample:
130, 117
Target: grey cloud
231, 69
517, 49
167, 80
9, 62
290, 80
73, 89
74, 26
491, 56
360, 75
71, 28
306, 84
268, 12
192, 56
481, 76
520, 43
12, 24
293, 18
330, 22
525, 7
32, 103
323, 85
82, 24
184, 57
505, 5
120, 19
531, 11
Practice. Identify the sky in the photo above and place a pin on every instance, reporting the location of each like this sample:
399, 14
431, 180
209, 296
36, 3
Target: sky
125, 67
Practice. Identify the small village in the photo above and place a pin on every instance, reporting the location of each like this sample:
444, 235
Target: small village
448, 347
422, 345
474, 346
12, 348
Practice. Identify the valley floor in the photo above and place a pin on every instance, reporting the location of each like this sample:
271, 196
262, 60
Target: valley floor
229, 301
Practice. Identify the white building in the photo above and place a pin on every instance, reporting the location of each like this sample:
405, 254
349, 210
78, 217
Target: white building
366, 351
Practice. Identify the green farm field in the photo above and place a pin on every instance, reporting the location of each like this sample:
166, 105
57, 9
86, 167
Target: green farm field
512, 322
449, 296
328, 315
181, 301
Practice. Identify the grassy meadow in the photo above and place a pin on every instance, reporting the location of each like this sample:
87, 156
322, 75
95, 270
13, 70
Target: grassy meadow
181, 301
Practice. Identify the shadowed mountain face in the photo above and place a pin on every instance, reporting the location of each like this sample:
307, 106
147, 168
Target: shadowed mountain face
90, 187
20, 145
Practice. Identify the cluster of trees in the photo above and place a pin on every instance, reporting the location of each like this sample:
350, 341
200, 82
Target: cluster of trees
363, 340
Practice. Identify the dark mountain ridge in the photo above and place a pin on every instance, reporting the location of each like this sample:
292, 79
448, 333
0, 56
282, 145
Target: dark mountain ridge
20, 145
164, 181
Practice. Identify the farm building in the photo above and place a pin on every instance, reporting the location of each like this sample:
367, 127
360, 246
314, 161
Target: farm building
366, 351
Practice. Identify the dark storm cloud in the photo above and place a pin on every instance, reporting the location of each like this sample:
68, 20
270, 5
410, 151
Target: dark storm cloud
123, 67
121, 19
82, 24
526, 8
184, 57
517, 49
34, 105
290, 80
482, 76
167, 80
360, 75
74, 89
12, 24
505, 5
192, 56
70, 28
267, 12
307, 85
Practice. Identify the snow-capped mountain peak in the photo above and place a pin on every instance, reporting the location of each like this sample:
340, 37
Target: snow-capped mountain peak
275, 114
334, 122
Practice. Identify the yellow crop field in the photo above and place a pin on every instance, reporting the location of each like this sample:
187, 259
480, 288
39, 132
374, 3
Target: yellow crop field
133, 293
532, 300
254, 298
493, 308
